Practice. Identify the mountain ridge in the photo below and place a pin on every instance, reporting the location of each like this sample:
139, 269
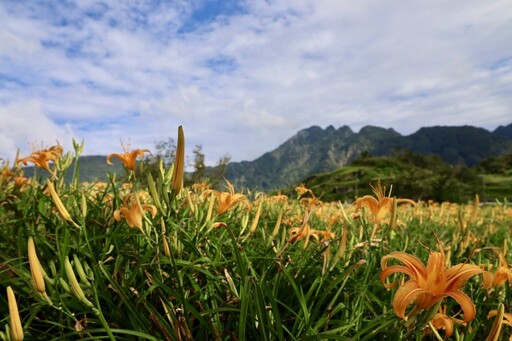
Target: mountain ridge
315, 150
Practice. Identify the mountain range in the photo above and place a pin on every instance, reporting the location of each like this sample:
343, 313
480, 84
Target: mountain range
316, 150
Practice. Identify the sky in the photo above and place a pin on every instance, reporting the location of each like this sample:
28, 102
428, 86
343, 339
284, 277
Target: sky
242, 77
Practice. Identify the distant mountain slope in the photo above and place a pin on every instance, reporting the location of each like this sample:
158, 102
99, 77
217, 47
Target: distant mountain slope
505, 131
92, 168
316, 150
466, 144
312, 150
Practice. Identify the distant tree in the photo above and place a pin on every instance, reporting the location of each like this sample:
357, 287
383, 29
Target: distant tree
425, 176
218, 172
166, 150
199, 172
496, 164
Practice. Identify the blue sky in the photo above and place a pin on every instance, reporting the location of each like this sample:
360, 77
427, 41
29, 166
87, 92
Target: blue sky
244, 76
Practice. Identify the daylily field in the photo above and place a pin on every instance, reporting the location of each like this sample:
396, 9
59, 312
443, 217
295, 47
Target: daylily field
154, 260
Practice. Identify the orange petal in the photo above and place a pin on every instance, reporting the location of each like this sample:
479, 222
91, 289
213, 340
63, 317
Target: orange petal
436, 272
404, 296
458, 275
367, 201
441, 321
150, 208
117, 215
507, 319
109, 156
488, 279
403, 201
410, 261
394, 269
468, 307
448, 327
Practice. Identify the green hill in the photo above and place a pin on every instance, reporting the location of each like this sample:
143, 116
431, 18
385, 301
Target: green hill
413, 176
92, 168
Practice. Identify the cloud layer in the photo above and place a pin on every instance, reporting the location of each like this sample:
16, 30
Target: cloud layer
242, 77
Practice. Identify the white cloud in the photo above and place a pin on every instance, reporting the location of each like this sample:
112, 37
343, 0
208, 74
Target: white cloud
24, 126
245, 82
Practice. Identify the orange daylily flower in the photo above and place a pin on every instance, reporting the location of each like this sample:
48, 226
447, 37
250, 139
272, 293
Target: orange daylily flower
429, 284
21, 181
132, 211
301, 190
502, 275
128, 158
443, 321
381, 205
41, 158
200, 187
226, 200
310, 202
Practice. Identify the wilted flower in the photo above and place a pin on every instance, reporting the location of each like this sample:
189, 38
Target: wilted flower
429, 284
381, 205
132, 211
128, 158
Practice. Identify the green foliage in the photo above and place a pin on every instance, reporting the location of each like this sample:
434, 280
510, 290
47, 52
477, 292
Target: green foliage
496, 165
199, 172
219, 281
412, 176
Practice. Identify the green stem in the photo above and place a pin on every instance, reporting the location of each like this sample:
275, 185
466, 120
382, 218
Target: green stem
99, 314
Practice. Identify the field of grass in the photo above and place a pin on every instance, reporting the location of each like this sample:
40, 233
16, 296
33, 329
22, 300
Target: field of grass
494, 184
129, 262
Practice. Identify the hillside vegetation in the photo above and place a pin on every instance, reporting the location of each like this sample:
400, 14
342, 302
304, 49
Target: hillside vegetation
416, 176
